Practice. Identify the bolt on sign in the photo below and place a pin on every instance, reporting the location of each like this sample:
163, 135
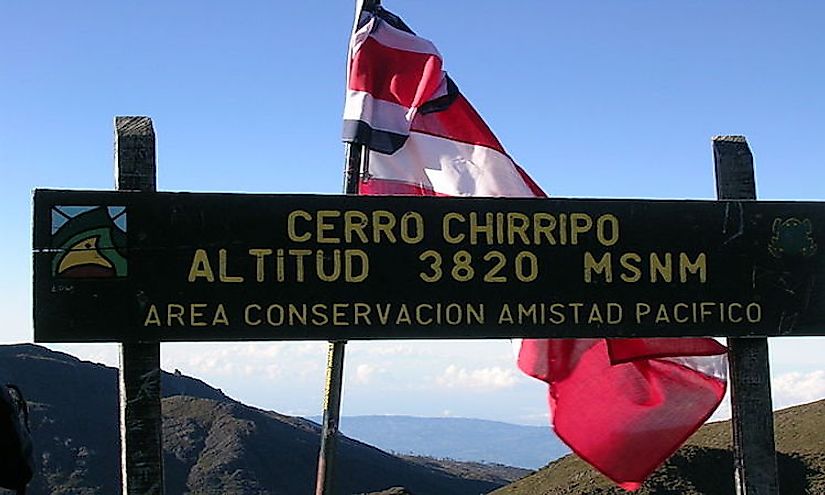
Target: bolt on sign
130, 266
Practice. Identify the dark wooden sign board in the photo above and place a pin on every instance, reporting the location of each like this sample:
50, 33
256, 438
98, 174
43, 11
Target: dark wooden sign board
131, 266
103, 260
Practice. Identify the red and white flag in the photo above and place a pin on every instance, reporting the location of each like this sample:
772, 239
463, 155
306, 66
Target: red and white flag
623, 405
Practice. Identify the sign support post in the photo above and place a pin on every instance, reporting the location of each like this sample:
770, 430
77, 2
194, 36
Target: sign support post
754, 452
355, 160
356, 157
141, 451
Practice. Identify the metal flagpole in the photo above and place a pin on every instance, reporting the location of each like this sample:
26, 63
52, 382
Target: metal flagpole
356, 161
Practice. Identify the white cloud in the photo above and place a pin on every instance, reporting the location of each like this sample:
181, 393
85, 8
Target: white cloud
787, 389
279, 361
364, 373
723, 412
796, 388
494, 378
385, 350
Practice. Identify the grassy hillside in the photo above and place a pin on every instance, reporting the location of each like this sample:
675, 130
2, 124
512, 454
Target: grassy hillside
704, 465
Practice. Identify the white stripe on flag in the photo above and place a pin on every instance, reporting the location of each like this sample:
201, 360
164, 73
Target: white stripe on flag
450, 168
396, 38
378, 114
712, 366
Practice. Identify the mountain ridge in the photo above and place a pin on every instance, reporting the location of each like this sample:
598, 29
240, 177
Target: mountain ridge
704, 465
463, 439
212, 443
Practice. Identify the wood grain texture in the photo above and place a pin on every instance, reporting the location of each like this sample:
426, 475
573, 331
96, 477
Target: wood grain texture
755, 470
139, 378
193, 275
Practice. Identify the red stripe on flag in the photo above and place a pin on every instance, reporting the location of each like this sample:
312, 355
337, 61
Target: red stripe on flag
459, 122
536, 190
604, 410
397, 76
626, 419
624, 350
380, 187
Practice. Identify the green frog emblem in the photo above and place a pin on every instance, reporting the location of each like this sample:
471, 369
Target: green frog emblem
792, 237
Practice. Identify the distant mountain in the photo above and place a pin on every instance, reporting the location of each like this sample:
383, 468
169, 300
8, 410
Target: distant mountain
462, 439
704, 465
212, 444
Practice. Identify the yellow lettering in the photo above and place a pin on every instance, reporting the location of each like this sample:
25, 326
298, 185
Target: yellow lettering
412, 222
452, 314
354, 222
635, 273
556, 315
418, 316
403, 316
576, 307
222, 275
383, 316
602, 225
176, 312
614, 317
698, 266
349, 272
338, 315
705, 308
476, 228
445, 228
319, 315
362, 311
322, 226
579, 224
544, 224
731, 317
476, 314
320, 257
505, 315
595, 315
297, 314
299, 254
271, 310
517, 224
200, 267
661, 314
195, 314
383, 221
603, 267
657, 268
642, 310
753, 312
152, 317
220, 317
247, 315
260, 255
290, 226
676, 317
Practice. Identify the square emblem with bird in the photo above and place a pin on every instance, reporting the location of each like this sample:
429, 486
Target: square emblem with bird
89, 242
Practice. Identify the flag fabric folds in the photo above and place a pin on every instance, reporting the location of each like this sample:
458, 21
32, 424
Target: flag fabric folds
423, 137
623, 405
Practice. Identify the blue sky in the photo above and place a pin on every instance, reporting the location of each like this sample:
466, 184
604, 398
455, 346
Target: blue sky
594, 99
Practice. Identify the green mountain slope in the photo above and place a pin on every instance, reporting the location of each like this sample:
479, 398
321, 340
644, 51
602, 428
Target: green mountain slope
212, 444
704, 465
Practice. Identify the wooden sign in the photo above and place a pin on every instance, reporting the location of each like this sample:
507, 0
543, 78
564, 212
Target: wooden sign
130, 266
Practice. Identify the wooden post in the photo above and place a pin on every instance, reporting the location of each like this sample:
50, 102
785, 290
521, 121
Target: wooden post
141, 451
356, 158
754, 451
